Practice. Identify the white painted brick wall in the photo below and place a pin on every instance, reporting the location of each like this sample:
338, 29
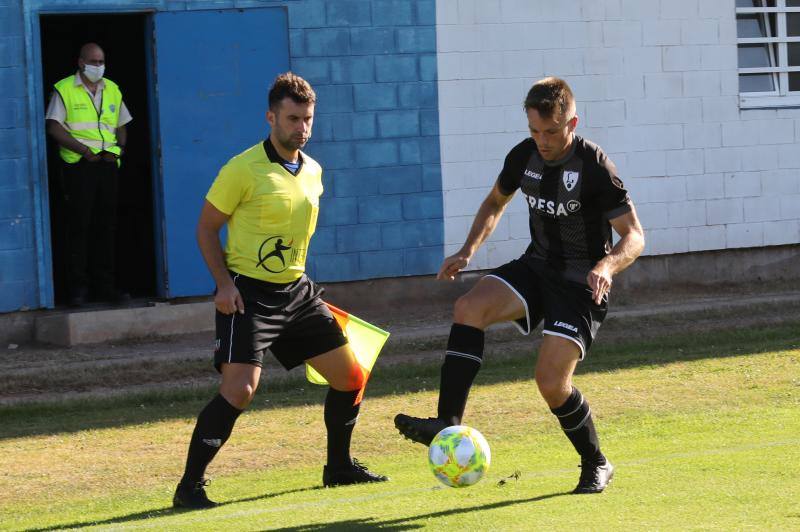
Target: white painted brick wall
760, 158
686, 214
646, 164
622, 33
702, 135
742, 184
681, 58
780, 182
683, 110
702, 31
744, 235
657, 87
653, 215
684, 162
663, 85
678, 9
790, 207
789, 156
760, 209
668, 241
639, 60
706, 186
706, 237
777, 233
702, 83
609, 113
723, 159
775, 131
640, 9
661, 32
582, 34
725, 211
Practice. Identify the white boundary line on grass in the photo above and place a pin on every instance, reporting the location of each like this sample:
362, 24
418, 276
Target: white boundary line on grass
204, 517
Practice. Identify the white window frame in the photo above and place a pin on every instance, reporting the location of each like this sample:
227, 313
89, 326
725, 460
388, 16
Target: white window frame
781, 97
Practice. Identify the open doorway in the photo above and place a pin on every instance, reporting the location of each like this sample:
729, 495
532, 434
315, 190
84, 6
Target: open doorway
122, 37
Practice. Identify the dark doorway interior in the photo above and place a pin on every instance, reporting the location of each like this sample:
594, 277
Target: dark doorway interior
122, 37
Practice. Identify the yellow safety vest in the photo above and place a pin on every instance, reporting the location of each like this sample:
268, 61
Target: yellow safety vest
97, 130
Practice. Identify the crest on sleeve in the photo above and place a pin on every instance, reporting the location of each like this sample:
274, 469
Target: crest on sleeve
570, 180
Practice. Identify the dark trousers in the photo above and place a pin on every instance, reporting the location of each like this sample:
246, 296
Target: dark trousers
91, 213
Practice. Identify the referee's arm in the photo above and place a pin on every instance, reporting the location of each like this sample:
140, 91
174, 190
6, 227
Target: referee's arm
227, 300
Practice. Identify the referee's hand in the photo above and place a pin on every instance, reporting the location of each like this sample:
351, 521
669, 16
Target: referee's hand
228, 300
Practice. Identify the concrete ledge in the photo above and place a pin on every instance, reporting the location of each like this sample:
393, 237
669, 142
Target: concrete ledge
73, 328
705, 269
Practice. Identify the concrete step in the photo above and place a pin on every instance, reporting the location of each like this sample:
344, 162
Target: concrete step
96, 326
162, 320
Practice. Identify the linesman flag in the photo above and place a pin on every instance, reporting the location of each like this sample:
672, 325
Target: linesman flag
365, 339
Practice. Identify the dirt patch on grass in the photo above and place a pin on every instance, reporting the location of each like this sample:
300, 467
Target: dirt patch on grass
41, 373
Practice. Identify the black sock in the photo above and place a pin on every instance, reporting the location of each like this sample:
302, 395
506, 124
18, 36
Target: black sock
575, 417
461, 364
340, 420
214, 426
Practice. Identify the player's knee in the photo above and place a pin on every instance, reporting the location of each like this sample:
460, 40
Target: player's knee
553, 389
353, 379
468, 311
239, 395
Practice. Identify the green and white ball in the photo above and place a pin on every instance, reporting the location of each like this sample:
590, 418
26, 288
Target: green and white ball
459, 456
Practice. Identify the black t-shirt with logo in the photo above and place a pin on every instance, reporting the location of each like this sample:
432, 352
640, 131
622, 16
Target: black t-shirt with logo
570, 203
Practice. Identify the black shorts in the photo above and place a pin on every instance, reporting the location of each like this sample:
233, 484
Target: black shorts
291, 320
566, 306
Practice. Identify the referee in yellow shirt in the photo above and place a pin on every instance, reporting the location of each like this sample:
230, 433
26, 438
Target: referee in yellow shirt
269, 197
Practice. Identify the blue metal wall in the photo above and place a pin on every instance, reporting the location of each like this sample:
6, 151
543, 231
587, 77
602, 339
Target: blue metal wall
18, 256
373, 64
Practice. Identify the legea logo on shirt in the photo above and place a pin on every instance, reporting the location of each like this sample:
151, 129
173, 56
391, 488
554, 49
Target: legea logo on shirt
533, 175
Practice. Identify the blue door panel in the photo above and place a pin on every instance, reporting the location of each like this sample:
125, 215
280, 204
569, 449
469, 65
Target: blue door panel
213, 71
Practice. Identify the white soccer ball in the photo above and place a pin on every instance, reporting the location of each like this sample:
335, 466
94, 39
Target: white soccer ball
459, 456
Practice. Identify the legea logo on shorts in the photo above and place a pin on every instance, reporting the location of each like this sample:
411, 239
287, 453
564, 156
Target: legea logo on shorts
566, 326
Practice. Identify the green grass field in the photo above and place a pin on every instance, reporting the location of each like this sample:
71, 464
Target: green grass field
704, 430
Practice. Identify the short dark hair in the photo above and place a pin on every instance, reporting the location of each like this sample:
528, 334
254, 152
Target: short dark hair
550, 95
290, 85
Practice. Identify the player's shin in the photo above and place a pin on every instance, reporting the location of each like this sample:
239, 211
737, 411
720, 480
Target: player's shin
213, 428
341, 413
462, 362
575, 418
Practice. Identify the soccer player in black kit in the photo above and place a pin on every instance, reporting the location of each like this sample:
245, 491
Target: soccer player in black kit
575, 198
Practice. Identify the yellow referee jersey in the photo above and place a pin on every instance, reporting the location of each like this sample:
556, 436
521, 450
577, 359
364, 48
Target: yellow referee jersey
273, 213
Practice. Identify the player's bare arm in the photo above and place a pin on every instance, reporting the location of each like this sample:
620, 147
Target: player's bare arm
227, 299
483, 225
626, 250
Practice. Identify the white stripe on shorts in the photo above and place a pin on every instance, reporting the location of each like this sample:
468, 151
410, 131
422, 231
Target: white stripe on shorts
562, 335
233, 317
525, 303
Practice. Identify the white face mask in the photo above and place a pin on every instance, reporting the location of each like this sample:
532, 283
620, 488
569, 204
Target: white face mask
94, 73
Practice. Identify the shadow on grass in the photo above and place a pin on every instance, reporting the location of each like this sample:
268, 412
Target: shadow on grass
408, 523
166, 511
515, 364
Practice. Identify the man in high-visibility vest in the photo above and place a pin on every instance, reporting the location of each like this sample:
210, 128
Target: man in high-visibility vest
86, 117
